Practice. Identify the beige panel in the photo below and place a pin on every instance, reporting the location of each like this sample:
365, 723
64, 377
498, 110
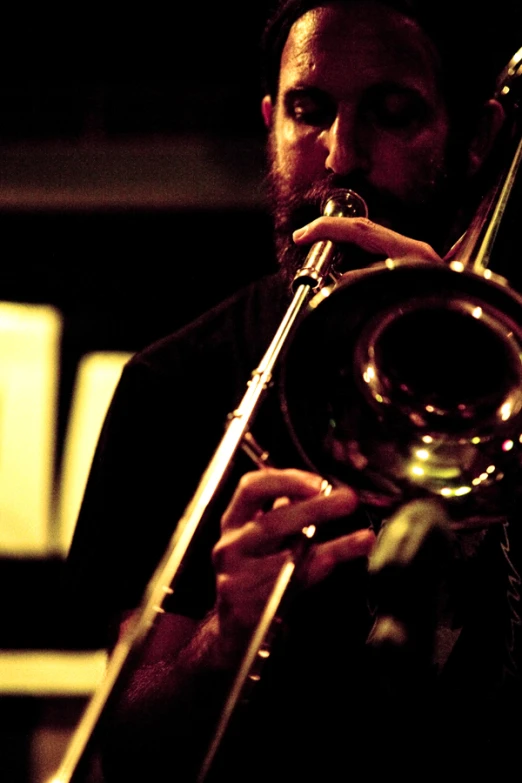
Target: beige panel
97, 377
29, 373
51, 672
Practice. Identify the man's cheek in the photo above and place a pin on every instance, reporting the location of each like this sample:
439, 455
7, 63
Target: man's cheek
300, 164
410, 177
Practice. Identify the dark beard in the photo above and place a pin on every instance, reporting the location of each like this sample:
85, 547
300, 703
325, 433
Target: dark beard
429, 217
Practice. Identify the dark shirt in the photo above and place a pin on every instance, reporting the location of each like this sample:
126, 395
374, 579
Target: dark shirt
167, 417
326, 703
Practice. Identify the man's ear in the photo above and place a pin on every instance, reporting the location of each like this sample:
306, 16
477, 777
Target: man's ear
493, 116
267, 109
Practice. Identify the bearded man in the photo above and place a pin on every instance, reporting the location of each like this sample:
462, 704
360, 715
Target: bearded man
360, 94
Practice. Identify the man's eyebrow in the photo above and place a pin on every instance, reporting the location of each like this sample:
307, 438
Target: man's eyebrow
383, 87
304, 90
396, 86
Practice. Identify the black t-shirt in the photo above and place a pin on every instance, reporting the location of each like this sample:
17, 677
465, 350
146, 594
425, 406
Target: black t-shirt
166, 419
324, 706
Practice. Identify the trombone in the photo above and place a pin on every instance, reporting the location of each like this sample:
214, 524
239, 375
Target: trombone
445, 445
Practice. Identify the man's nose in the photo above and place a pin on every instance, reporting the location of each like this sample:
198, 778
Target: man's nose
346, 150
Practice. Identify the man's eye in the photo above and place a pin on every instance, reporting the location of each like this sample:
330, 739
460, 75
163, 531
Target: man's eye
397, 110
309, 111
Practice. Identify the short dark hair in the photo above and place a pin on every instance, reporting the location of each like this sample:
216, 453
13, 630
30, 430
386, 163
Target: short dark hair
472, 50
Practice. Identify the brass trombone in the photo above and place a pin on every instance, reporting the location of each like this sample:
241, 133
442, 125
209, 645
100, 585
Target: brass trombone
442, 437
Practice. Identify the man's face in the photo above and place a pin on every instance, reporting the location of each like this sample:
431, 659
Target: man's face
359, 106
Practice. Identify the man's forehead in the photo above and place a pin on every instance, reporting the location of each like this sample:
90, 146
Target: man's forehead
357, 40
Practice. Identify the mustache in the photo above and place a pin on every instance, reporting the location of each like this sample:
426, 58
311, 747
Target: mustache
295, 207
300, 206
426, 212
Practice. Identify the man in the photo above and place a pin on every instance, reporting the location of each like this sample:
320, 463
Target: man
359, 95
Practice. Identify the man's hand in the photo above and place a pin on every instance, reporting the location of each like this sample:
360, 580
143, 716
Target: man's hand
267, 512
369, 236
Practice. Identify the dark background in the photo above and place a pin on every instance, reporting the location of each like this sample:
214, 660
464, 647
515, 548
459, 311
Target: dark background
131, 167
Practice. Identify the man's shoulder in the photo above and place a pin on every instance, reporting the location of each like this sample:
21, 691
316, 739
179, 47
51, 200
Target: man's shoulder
240, 325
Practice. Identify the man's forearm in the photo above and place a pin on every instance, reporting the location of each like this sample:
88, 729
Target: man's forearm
168, 711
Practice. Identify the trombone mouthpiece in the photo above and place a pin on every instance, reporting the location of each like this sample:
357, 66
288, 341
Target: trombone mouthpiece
340, 202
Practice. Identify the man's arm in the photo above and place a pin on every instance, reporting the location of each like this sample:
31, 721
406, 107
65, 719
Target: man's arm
171, 705
176, 694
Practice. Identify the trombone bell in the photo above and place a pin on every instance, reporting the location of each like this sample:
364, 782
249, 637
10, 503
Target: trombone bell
405, 381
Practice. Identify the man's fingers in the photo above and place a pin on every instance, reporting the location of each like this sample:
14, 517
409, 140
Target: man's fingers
259, 489
369, 236
324, 557
265, 534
